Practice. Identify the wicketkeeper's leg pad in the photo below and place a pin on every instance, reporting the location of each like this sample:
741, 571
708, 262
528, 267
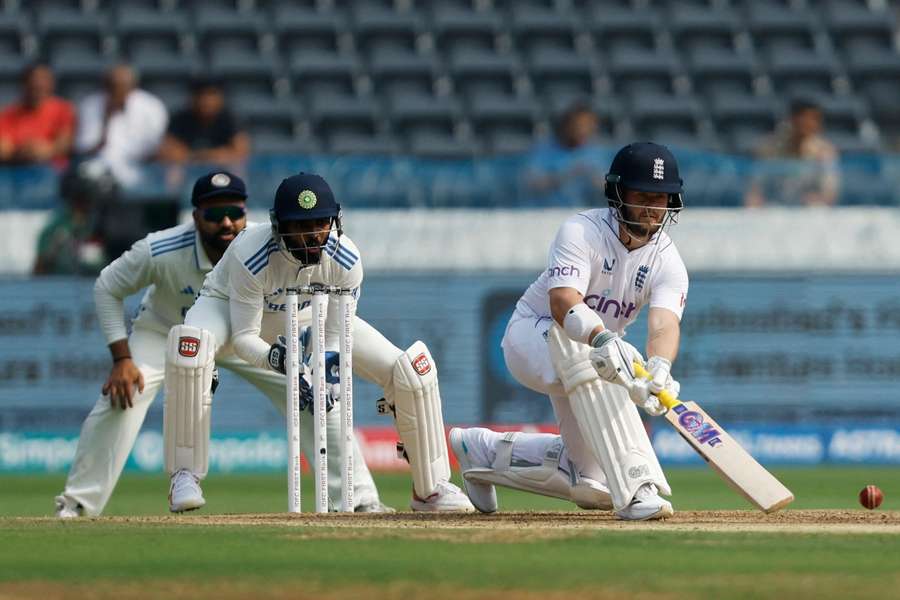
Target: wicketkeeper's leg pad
190, 365
608, 421
414, 397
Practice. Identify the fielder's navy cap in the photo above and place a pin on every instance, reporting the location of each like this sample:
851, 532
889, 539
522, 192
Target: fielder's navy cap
646, 167
218, 184
305, 196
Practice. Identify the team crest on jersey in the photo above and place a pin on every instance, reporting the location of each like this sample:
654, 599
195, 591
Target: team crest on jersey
307, 199
188, 346
421, 364
659, 168
641, 277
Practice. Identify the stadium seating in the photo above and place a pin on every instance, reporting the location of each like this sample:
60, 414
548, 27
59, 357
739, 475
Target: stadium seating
497, 71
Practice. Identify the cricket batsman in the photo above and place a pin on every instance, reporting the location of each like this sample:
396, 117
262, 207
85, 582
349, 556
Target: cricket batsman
171, 264
241, 306
604, 266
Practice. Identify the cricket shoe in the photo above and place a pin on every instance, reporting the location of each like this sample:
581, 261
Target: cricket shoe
482, 495
67, 509
374, 507
646, 505
184, 492
446, 498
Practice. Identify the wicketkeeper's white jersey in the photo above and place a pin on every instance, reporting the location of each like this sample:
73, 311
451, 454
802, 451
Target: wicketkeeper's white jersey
588, 256
253, 276
170, 263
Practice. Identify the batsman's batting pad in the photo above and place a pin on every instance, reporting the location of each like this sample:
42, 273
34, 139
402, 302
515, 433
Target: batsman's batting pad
416, 401
608, 421
545, 479
190, 362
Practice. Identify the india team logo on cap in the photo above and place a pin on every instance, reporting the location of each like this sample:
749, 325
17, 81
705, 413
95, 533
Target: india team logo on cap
307, 199
220, 180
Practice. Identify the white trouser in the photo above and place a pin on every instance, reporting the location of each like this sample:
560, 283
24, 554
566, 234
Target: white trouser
108, 434
528, 360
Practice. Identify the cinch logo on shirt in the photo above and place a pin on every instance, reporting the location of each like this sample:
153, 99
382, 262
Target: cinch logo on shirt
601, 305
564, 271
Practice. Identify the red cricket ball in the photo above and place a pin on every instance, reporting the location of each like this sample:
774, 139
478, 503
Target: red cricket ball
871, 496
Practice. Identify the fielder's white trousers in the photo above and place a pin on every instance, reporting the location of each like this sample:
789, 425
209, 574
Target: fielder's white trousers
108, 434
528, 360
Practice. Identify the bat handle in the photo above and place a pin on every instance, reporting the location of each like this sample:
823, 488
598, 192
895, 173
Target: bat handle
665, 398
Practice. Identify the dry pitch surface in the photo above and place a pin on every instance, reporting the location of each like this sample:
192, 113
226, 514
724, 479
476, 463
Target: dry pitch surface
796, 521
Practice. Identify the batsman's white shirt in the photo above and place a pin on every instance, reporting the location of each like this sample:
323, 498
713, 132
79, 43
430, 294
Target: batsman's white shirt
615, 282
253, 276
172, 265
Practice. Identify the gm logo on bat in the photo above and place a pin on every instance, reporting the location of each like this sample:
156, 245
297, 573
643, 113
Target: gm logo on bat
693, 422
188, 346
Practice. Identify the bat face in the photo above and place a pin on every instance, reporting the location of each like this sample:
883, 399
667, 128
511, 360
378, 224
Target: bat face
728, 458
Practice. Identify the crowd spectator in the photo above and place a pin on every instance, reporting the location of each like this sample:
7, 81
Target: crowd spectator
38, 127
72, 241
206, 131
797, 164
122, 125
568, 169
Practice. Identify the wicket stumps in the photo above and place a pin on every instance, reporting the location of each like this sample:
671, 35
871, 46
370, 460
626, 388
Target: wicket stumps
319, 295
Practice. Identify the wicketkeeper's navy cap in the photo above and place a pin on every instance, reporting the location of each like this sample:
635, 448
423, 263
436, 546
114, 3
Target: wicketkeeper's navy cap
218, 184
305, 196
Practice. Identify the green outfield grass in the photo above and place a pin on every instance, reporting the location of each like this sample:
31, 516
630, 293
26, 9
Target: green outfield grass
171, 559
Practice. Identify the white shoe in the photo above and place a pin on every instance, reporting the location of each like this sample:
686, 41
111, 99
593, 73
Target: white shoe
67, 509
374, 507
482, 495
446, 498
646, 505
184, 492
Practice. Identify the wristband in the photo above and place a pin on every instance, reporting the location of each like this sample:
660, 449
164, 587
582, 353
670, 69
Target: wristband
580, 321
118, 358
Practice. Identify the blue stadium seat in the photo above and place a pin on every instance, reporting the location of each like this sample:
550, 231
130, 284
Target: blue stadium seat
802, 72
717, 72
71, 33
298, 31
79, 75
443, 147
144, 34
423, 114
246, 76
219, 31
637, 71
666, 118
12, 29
776, 27
456, 28
333, 114
397, 70
382, 28
10, 79
168, 76
478, 71
265, 116
856, 28
623, 29
742, 120
697, 28
323, 72
542, 28
284, 144
506, 121
559, 72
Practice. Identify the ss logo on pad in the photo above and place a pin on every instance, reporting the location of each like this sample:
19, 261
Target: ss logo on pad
188, 346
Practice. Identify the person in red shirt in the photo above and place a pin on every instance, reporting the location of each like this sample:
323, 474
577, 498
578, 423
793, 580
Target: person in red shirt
39, 127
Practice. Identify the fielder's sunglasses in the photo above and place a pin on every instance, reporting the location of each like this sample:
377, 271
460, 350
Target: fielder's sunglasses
215, 214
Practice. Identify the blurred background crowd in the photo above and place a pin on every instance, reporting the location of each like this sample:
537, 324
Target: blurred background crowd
780, 102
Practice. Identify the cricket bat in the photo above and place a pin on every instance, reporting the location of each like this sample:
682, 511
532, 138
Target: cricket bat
734, 464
